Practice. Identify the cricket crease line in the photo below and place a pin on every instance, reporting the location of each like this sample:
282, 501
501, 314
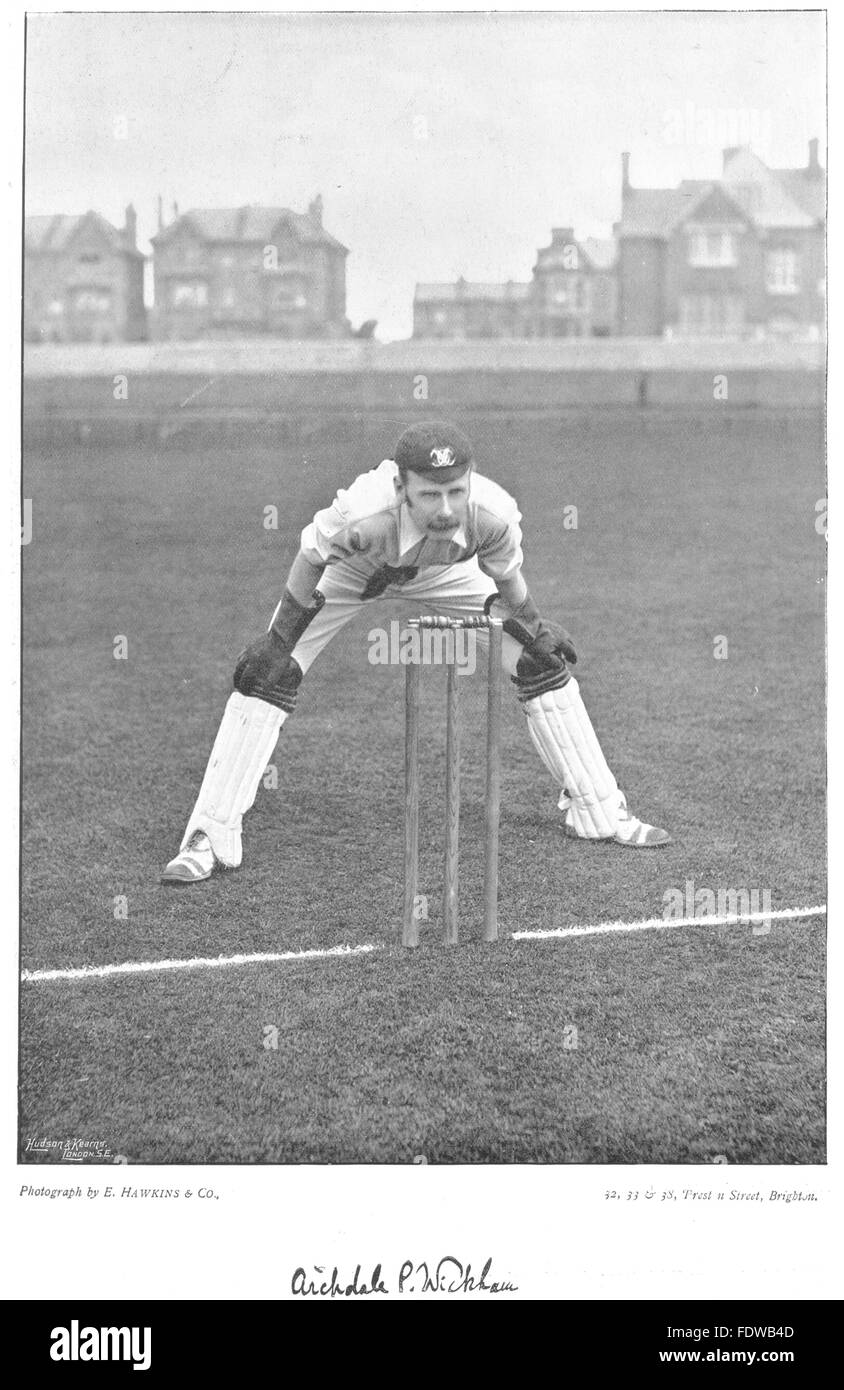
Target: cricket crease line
705, 919
146, 967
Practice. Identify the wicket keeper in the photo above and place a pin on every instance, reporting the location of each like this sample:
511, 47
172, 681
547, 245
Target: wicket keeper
426, 527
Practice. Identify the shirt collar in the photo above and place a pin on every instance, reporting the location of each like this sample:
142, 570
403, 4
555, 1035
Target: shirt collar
410, 533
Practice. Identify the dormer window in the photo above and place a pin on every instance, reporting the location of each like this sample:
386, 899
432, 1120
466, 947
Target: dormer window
714, 248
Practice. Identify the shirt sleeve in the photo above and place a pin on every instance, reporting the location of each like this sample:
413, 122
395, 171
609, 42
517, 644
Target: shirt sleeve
341, 530
500, 550
331, 537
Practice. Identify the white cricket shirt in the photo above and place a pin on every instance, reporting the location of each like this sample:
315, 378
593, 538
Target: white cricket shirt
369, 526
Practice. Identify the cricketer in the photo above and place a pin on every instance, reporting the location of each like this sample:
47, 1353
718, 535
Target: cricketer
424, 526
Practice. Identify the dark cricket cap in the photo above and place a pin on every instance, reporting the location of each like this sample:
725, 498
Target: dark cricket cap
434, 448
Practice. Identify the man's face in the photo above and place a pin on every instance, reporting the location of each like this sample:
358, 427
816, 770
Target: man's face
437, 508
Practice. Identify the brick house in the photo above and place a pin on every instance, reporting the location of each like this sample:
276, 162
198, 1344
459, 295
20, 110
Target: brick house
470, 310
241, 272
572, 294
574, 288
83, 280
741, 256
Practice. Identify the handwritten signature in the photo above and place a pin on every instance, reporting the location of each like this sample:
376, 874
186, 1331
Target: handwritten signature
448, 1276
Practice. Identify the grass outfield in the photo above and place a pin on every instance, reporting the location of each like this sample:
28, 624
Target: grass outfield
671, 1046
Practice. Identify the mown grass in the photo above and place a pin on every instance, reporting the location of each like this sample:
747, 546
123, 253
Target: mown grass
689, 1044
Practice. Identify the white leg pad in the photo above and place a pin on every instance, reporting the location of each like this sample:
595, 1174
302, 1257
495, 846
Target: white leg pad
245, 740
562, 733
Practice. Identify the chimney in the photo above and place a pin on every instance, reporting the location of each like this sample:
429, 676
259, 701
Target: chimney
727, 155
813, 156
130, 228
625, 173
562, 236
160, 213
315, 210
175, 212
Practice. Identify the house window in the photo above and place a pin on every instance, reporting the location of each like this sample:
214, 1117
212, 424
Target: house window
89, 258
55, 308
582, 294
712, 248
564, 291
781, 272
571, 293
290, 294
711, 313
192, 295
92, 302
228, 299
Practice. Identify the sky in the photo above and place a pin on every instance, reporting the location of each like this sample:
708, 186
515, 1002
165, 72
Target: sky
443, 145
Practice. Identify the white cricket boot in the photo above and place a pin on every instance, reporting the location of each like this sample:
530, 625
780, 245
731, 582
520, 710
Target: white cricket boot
192, 864
630, 831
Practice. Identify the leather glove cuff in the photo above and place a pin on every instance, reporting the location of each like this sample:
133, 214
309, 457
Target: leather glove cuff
290, 619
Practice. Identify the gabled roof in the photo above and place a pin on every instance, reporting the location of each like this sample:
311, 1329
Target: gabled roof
767, 198
807, 188
657, 212
770, 207
249, 224
465, 290
654, 212
706, 200
54, 232
762, 193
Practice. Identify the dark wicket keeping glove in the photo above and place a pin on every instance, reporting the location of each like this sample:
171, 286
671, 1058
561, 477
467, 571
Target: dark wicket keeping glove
550, 641
266, 668
544, 662
262, 667
547, 646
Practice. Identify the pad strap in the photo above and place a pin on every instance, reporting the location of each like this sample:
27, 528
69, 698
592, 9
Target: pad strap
281, 692
528, 687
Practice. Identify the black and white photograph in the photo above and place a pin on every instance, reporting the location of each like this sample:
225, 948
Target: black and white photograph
424, 552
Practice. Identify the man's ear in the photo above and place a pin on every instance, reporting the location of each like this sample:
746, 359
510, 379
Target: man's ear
401, 490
